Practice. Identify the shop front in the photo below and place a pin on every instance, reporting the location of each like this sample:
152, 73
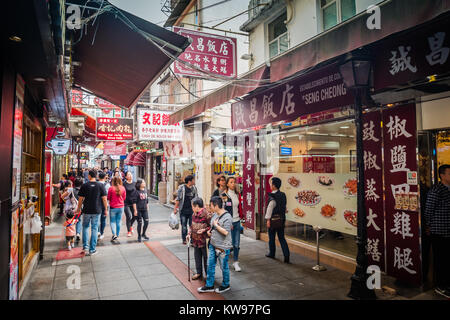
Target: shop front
304, 132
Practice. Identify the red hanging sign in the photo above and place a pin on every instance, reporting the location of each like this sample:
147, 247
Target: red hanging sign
209, 52
373, 188
401, 196
249, 181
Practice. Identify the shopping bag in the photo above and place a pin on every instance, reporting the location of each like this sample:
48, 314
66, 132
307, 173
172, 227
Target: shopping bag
173, 221
36, 224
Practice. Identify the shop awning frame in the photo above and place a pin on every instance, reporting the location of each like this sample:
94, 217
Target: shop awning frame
120, 55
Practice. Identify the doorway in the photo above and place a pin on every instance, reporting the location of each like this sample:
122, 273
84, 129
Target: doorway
434, 151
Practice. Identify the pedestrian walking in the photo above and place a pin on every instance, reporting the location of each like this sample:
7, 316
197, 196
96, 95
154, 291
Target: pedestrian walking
276, 219
70, 231
233, 204
70, 204
61, 185
86, 175
91, 196
201, 219
78, 225
183, 203
102, 180
116, 198
437, 226
130, 202
221, 184
142, 209
219, 246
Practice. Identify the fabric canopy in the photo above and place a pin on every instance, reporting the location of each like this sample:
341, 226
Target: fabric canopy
140, 159
114, 58
136, 158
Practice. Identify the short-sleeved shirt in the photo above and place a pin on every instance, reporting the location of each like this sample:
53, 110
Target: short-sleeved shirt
92, 192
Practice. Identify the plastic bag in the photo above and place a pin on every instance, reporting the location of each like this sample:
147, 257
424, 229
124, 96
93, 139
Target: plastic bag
173, 221
36, 224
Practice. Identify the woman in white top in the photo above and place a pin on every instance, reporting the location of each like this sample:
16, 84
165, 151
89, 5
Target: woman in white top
233, 204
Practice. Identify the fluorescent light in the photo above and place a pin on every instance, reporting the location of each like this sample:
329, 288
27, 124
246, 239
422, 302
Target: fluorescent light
345, 127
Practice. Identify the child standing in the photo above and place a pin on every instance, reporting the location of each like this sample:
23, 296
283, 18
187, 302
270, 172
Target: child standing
219, 246
198, 233
70, 223
142, 212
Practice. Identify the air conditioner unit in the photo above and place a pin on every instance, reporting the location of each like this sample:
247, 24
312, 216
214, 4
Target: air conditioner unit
322, 145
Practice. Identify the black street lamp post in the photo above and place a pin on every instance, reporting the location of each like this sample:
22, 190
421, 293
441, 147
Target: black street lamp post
355, 71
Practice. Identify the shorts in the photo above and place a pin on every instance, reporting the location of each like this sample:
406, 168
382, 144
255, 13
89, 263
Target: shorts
70, 238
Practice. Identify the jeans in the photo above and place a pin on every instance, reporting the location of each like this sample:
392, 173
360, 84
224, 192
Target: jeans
79, 225
201, 257
185, 219
102, 223
93, 220
283, 243
115, 220
223, 260
142, 215
131, 218
236, 239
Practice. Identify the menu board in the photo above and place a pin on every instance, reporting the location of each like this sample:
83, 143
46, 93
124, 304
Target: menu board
325, 200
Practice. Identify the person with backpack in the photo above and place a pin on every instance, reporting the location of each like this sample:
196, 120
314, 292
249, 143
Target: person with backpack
219, 246
233, 205
276, 219
61, 185
116, 197
91, 196
142, 210
183, 203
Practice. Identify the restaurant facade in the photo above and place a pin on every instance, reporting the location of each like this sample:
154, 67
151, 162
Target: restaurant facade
302, 129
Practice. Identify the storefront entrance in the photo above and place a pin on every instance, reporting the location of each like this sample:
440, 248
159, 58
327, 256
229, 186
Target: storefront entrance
434, 151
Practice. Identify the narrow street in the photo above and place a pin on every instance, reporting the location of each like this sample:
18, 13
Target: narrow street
157, 270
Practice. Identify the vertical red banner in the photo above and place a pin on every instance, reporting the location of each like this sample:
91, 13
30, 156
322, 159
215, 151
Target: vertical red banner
248, 192
48, 184
373, 188
401, 199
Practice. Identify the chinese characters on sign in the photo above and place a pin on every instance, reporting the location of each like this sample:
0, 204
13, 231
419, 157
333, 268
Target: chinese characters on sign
373, 190
249, 181
412, 57
402, 226
114, 129
154, 126
318, 91
209, 52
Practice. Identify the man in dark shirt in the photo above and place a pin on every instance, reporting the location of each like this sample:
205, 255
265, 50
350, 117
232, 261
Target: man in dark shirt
91, 196
437, 225
186, 192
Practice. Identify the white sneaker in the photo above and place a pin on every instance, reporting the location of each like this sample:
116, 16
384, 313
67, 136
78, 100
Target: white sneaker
236, 266
69, 247
101, 237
